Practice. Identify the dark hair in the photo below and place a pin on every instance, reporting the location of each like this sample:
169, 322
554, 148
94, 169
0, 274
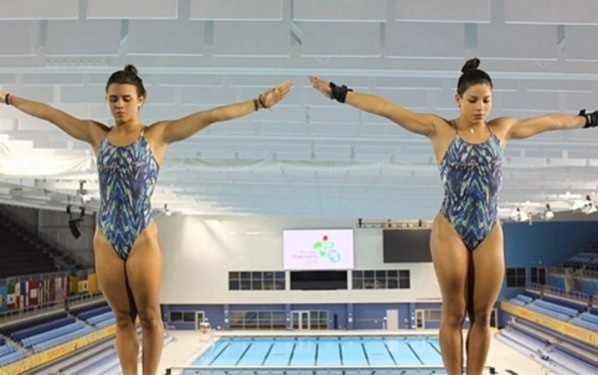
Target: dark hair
127, 76
472, 76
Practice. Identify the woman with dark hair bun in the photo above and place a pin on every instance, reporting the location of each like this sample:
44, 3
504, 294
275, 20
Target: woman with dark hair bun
466, 240
128, 258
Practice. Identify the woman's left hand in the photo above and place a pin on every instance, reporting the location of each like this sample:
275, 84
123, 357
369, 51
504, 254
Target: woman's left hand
270, 98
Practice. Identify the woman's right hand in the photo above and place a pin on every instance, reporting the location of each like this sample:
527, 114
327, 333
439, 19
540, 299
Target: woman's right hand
321, 85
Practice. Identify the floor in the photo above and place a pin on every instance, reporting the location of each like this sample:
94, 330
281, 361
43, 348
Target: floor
187, 345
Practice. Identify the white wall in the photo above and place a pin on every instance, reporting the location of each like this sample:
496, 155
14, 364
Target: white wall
200, 251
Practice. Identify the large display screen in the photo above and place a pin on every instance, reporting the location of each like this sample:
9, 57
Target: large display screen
318, 249
406, 245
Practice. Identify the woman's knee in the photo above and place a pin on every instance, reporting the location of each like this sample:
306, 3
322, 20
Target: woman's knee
124, 319
454, 317
150, 317
481, 317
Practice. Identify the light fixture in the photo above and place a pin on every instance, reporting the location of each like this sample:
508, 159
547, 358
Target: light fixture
83, 193
588, 206
74, 223
548, 214
519, 216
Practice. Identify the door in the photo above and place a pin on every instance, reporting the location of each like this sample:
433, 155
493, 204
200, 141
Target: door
392, 320
420, 319
200, 317
300, 320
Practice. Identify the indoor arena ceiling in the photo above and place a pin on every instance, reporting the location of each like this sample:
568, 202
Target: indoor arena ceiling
309, 156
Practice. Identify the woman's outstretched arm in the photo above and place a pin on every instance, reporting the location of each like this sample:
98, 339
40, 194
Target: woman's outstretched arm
177, 130
76, 128
519, 129
419, 123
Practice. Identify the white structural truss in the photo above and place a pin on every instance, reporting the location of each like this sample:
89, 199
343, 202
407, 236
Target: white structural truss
309, 156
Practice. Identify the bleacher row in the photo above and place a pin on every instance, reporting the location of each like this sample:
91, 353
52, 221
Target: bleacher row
18, 340
575, 314
545, 343
587, 259
571, 297
22, 253
555, 351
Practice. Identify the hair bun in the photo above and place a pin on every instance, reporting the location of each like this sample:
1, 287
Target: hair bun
471, 64
130, 69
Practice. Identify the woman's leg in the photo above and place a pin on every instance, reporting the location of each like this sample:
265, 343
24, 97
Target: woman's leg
112, 280
144, 273
488, 274
451, 261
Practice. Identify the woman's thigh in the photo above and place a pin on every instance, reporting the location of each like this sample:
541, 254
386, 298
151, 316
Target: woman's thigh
144, 269
489, 271
451, 262
112, 277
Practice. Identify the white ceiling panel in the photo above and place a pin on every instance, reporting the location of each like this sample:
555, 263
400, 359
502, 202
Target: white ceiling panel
562, 12
580, 42
95, 38
580, 86
474, 11
39, 9
79, 94
332, 114
54, 79
546, 101
340, 10
159, 97
347, 39
132, 9
414, 99
425, 39
251, 39
18, 38
518, 41
237, 10
41, 93
165, 37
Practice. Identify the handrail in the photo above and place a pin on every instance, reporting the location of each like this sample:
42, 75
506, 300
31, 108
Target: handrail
33, 277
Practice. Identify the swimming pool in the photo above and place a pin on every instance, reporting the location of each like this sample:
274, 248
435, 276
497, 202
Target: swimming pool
338, 355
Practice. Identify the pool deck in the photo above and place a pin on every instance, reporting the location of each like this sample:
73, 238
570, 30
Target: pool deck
188, 345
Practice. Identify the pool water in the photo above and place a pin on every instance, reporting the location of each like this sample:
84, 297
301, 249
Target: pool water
317, 355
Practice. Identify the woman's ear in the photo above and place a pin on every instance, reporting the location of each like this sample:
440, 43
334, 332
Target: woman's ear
458, 100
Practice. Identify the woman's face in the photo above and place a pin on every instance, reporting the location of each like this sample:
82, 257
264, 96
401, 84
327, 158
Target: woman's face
476, 103
124, 102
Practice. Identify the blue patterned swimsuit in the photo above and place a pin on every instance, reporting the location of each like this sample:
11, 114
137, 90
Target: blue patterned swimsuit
127, 175
472, 176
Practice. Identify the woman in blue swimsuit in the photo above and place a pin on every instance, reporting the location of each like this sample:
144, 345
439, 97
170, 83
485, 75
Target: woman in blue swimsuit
466, 240
128, 258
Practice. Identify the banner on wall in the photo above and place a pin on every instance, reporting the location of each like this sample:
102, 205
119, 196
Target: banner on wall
10, 297
92, 283
60, 288
3, 297
83, 286
50, 289
34, 292
73, 285
17, 295
24, 294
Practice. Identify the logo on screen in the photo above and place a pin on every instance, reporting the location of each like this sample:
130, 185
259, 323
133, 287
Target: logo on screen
325, 249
